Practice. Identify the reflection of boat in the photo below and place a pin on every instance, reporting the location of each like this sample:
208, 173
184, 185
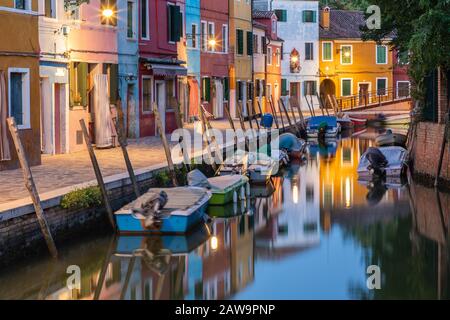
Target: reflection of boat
384, 161
262, 191
326, 124
236, 164
185, 208
228, 210
358, 122
398, 120
391, 139
224, 189
326, 149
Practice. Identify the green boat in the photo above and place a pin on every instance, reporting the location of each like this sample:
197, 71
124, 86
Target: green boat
228, 210
225, 189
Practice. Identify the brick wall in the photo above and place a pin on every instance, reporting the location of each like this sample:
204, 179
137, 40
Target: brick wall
427, 149
442, 96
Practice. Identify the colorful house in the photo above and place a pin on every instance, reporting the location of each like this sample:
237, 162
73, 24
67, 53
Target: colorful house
299, 28
401, 81
54, 78
348, 65
214, 56
241, 46
19, 79
127, 41
193, 57
93, 71
259, 63
271, 47
160, 29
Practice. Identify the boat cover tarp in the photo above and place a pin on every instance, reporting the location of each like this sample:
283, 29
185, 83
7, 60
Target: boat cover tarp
314, 122
394, 155
289, 142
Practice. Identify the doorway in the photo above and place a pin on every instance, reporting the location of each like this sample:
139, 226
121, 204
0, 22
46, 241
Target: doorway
52, 117
363, 89
160, 98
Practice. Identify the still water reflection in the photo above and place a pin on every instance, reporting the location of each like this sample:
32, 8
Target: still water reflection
310, 235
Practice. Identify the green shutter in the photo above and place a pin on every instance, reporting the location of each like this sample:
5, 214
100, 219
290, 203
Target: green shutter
281, 15
249, 43
381, 54
326, 51
113, 83
284, 87
72, 80
82, 73
303, 16
240, 41
314, 16
174, 23
346, 87
206, 89
226, 89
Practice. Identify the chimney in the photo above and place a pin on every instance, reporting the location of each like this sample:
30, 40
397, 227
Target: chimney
325, 21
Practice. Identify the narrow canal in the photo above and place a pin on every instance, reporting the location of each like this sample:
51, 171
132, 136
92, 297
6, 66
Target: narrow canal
310, 236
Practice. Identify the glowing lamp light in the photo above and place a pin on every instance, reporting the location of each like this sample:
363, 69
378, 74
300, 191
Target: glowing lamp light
347, 54
107, 13
212, 42
214, 243
348, 195
295, 194
294, 59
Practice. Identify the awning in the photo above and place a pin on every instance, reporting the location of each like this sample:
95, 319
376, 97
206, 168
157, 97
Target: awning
167, 70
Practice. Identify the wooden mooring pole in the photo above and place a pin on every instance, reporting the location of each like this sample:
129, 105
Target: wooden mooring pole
31, 187
98, 174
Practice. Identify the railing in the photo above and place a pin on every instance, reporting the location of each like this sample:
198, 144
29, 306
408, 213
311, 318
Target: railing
372, 98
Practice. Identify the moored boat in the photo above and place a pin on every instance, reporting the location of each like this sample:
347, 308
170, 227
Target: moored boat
398, 120
390, 138
383, 161
326, 125
292, 145
164, 210
358, 122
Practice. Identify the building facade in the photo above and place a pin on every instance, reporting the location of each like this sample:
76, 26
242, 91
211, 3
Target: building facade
401, 81
241, 46
214, 47
160, 29
19, 80
348, 65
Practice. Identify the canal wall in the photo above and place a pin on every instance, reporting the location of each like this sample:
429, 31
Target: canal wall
426, 151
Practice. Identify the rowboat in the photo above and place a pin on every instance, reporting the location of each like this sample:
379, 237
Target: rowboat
384, 161
164, 211
391, 139
327, 125
224, 189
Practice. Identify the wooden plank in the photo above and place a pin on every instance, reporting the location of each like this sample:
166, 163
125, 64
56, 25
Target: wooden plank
274, 114
123, 146
31, 187
294, 103
281, 103
250, 106
162, 135
331, 103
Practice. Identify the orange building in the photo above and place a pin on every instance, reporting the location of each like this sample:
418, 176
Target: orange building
349, 66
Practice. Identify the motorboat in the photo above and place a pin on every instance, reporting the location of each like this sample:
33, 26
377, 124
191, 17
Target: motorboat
292, 145
327, 126
389, 138
384, 161
164, 211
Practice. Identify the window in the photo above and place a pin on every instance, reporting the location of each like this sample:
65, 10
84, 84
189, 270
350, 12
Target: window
226, 89
19, 96
174, 23
327, 51
278, 56
21, 4
147, 86
269, 56
255, 43
108, 5
403, 89
203, 36
381, 55
130, 22
382, 86
346, 54
309, 51
249, 43
284, 90
240, 90
144, 20
206, 89
225, 38
309, 16
263, 45
309, 88
346, 85
274, 26
250, 91
281, 15
240, 41
211, 36
269, 90
78, 74
194, 43
49, 8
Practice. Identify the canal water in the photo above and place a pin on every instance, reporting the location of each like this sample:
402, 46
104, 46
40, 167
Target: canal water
312, 234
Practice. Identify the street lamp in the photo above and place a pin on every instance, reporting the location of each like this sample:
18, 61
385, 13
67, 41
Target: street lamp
212, 43
107, 13
294, 59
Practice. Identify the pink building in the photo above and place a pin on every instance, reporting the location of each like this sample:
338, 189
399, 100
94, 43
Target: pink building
400, 75
93, 72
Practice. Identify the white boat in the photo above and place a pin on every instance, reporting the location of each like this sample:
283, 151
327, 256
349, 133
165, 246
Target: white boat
332, 127
391, 162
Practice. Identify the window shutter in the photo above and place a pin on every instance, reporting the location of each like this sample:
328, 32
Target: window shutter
240, 41
281, 15
226, 88
314, 16
303, 16
113, 83
72, 80
174, 23
82, 73
284, 87
249, 43
264, 45
207, 89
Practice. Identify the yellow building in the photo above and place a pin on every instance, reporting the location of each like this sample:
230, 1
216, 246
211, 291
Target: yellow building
241, 47
19, 79
349, 66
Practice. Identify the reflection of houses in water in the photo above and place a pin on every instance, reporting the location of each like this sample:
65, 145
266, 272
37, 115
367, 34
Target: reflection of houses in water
297, 226
340, 191
268, 205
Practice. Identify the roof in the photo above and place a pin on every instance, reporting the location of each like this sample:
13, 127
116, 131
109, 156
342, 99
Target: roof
259, 25
344, 24
263, 14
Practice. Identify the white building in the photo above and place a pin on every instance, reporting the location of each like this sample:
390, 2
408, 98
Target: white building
298, 26
54, 77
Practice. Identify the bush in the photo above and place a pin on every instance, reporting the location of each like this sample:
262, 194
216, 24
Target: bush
82, 198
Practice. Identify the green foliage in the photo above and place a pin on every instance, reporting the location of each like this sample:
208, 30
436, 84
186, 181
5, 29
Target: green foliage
163, 179
82, 198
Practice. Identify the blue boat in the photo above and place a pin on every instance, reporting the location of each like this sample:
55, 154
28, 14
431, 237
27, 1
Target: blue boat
185, 209
330, 124
294, 146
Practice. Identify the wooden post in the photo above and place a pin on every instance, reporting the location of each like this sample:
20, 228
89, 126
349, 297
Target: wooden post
294, 103
250, 106
274, 113
162, 134
320, 103
179, 120
230, 119
286, 112
330, 100
101, 278
98, 174
128, 275
441, 155
206, 139
123, 146
213, 139
31, 187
